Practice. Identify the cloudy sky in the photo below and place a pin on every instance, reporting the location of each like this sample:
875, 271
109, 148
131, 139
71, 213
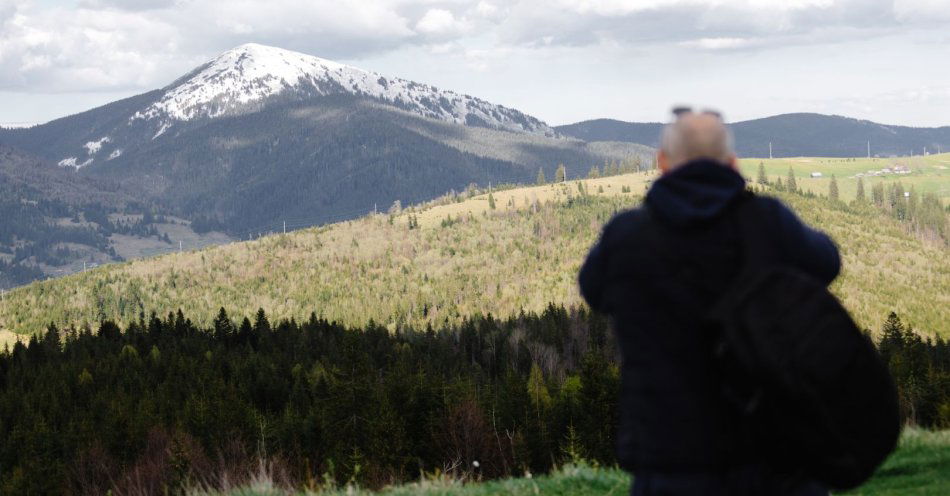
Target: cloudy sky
560, 60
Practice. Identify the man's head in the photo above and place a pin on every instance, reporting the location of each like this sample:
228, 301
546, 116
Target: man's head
693, 136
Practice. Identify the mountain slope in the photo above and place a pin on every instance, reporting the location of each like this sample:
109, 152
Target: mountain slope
50, 218
259, 136
463, 258
53, 221
791, 135
242, 79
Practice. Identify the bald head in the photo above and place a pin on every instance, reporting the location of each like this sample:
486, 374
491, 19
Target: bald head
695, 136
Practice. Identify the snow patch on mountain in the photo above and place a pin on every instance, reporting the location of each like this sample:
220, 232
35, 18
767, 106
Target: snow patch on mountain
93, 147
74, 162
242, 79
115, 154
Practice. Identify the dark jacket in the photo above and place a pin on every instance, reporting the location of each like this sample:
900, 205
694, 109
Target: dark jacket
672, 418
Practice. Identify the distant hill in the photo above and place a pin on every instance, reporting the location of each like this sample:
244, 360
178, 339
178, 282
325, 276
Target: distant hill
260, 135
457, 258
53, 220
791, 135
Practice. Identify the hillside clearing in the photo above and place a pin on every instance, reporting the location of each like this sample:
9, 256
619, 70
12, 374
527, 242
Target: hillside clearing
924, 173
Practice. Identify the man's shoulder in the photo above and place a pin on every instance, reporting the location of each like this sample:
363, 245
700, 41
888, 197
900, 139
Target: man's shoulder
768, 209
627, 223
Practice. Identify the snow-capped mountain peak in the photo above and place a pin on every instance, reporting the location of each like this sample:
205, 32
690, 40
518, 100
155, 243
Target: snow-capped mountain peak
242, 80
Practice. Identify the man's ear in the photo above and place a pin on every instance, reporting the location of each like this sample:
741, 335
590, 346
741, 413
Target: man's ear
734, 163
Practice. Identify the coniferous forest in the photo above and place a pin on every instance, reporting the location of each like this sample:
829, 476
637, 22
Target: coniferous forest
162, 405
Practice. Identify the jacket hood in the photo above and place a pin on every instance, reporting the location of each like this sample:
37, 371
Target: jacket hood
694, 192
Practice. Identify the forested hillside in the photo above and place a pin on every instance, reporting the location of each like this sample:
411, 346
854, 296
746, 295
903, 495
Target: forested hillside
162, 406
53, 222
461, 258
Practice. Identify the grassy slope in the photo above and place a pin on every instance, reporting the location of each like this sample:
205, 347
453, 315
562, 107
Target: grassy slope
930, 173
519, 256
918, 467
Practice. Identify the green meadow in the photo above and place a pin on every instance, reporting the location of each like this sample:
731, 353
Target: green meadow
928, 173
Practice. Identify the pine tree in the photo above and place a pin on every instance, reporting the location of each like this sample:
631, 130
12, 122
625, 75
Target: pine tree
833, 189
877, 194
594, 172
541, 179
791, 185
763, 179
222, 325
859, 196
491, 201
561, 175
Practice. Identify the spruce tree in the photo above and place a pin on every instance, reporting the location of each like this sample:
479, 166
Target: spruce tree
561, 175
833, 189
594, 172
541, 179
791, 185
491, 201
859, 196
763, 179
877, 194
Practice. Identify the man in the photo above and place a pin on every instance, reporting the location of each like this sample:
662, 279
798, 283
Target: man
656, 271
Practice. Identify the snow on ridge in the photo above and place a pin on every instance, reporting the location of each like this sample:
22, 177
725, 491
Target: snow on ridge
73, 162
237, 79
115, 154
93, 147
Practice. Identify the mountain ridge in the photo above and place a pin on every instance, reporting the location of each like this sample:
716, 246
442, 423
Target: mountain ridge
805, 134
235, 139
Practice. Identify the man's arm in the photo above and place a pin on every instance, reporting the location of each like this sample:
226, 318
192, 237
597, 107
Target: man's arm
808, 249
593, 274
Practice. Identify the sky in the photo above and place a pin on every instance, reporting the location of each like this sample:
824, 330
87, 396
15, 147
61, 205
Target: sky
562, 61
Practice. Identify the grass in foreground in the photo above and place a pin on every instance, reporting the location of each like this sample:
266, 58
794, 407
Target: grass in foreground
918, 467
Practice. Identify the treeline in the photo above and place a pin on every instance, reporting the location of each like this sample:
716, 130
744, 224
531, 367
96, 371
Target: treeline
31, 237
164, 405
36, 232
923, 214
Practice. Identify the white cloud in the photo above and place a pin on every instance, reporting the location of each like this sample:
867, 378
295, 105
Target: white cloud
110, 44
440, 22
120, 47
717, 43
486, 9
103, 47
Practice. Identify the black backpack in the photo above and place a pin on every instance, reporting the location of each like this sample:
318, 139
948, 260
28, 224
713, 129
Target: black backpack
796, 364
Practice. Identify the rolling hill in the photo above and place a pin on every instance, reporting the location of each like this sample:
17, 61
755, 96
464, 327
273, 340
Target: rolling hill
458, 257
791, 135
